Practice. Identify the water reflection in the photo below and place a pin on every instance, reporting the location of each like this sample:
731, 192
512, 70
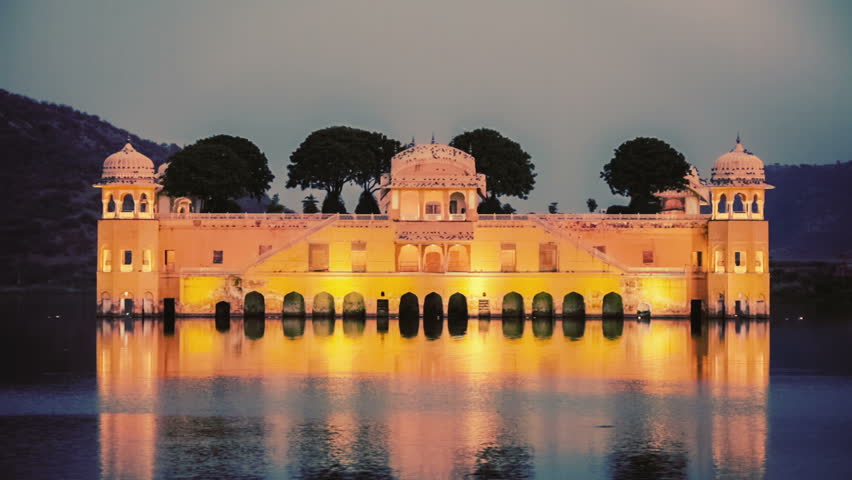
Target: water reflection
619, 399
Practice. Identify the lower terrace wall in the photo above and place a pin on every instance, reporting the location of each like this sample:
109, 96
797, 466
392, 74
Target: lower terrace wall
667, 294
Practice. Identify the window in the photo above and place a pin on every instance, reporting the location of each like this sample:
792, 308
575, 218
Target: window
507, 257
111, 205
127, 261
723, 204
739, 204
758, 262
739, 262
755, 208
107, 261
127, 205
719, 261
169, 260
433, 208
698, 258
318, 257
359, 256
647, 257
457, 204
146, 260
218, 256
547, 261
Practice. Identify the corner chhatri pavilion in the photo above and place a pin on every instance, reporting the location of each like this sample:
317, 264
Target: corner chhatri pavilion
431, 247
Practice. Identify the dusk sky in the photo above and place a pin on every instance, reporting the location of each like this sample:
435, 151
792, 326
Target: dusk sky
569, 81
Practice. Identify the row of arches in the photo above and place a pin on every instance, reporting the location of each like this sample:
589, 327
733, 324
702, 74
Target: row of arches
323, 304
739, 204
128, 203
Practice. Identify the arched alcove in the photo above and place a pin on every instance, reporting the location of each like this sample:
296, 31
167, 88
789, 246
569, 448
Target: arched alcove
254, 305
433, 259
111, 204
613, 306
513, 305
353, 305
457, 206
458, 259
542, 305
457, 315
294, 305
409, 315
323, 305
573, 305
409, 259
755, 206
433, 316
143, 203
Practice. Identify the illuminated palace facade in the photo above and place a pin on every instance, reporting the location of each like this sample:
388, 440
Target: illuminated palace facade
430, 245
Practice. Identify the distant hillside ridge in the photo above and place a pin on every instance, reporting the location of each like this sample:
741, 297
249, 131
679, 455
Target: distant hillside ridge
52, 155
810, 212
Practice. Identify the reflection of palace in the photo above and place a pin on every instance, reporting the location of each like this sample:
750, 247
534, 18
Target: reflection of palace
430, 239
351, 398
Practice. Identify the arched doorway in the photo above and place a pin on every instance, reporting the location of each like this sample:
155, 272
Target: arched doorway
433, 316
409, 315
513, 305
457, 315
223, 316
458, 208
323, 305
254, 305
573, 305
353, 305
613, 306
294, 305
542, 305
433, 259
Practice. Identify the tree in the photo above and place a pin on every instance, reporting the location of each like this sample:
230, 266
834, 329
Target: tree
330, 158
309, 204
553, 207
592, 204
367, 204
333, 204
506, 165
642, 167
275, 206
492, 205
219, 170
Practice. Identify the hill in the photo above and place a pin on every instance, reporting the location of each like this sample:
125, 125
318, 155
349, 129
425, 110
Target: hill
52, 155
810, 211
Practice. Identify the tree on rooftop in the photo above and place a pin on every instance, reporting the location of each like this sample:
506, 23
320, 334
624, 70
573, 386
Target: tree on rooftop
309, 204
219, 170
592, 204
507, 167
642, 167
331, 157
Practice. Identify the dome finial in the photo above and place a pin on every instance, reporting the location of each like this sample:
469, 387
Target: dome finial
433, 138
738, 136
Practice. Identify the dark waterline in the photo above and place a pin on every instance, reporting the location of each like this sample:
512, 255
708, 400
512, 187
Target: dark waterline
428, 397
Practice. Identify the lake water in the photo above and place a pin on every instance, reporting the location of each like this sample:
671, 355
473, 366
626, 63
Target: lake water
89, 398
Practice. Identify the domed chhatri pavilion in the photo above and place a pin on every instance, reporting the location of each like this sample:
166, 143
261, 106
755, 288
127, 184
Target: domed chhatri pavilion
154, 250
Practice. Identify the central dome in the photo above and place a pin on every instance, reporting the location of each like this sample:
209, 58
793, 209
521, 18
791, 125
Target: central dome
128, 166
738, 167
432, 158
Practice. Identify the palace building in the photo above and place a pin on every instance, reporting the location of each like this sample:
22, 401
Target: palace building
431, 247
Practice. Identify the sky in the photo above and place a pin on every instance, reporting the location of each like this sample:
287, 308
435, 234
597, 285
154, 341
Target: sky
569, 81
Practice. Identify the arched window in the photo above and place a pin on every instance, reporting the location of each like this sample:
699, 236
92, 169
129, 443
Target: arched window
143, 203
755, 208
739, 203
127, 204
723, 204
458, 259
457, 206
111, 204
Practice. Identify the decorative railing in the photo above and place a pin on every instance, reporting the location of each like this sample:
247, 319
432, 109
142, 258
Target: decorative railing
274, 217
560, 217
